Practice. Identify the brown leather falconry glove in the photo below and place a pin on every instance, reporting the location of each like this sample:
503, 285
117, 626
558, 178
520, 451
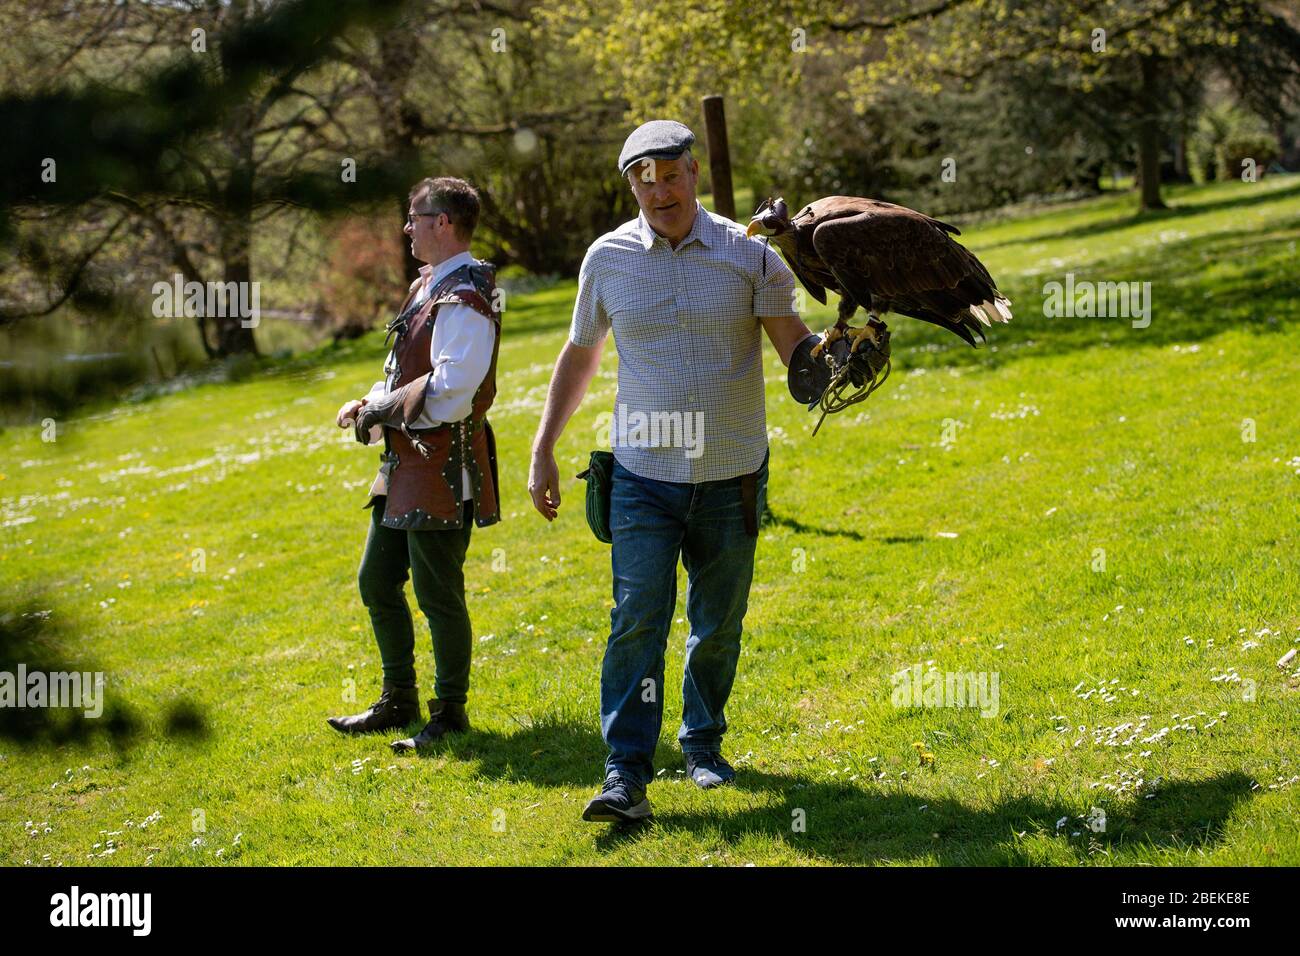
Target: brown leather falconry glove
398, 409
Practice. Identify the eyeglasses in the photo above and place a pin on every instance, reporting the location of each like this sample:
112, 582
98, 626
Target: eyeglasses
411, 217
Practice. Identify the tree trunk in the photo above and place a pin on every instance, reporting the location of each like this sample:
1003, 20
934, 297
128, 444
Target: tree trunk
1149, 136
1181, 171
235, 331
391, 76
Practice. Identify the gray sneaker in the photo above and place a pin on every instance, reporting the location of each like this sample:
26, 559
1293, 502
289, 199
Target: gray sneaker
620, 801
708, 770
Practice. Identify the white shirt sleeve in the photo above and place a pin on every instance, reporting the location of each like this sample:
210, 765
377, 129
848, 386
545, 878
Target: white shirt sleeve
460, 352
590, 322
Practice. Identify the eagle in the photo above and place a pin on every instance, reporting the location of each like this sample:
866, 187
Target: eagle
884, 258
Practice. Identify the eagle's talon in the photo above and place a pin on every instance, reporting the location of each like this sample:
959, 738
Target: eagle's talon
828, 336
866, 333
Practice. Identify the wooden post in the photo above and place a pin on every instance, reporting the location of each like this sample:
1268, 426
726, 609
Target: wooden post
715, 131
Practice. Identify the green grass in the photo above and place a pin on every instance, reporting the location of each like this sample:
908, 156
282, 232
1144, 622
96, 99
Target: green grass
1073, 436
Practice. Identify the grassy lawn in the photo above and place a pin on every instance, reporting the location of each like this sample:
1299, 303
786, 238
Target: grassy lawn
1071, 507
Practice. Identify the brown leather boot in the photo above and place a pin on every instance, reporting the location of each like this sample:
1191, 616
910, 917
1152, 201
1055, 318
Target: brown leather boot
396, 707
444, 718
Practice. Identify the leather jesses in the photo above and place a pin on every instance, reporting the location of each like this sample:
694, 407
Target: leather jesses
421, 479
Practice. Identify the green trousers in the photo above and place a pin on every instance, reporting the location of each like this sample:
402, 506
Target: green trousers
433, 561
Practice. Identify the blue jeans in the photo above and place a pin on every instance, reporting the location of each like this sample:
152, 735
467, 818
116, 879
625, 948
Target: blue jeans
652, 523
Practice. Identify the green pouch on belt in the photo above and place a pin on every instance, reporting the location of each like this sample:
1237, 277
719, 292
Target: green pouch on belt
600, 478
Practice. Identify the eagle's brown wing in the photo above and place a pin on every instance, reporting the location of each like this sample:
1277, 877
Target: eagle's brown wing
840, 207
803, 262
895, 258
798, 245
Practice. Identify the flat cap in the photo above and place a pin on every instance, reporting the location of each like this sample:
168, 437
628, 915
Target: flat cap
657, 139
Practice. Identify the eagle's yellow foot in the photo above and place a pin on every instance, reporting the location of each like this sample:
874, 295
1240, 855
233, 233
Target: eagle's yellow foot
828, 336
858, 335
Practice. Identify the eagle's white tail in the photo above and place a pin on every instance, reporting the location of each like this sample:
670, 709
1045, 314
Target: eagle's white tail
989, 312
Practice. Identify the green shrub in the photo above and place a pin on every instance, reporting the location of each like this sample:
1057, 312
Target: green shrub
1245, 145
1224, 135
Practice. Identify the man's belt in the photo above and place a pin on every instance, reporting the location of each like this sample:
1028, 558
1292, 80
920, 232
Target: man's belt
467, 426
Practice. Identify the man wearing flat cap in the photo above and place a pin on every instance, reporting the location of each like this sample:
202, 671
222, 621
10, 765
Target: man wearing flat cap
686, 294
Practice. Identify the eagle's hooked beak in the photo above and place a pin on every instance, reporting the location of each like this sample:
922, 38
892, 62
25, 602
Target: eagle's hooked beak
756, 220
771, 209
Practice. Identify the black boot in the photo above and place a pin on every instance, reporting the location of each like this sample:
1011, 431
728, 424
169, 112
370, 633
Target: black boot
396, 707
444, 718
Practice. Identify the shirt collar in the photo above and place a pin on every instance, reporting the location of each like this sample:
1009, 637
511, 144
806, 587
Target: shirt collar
702, 229
445, 268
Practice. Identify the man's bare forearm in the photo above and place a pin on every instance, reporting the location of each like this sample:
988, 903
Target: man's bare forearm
574, 370
785, 331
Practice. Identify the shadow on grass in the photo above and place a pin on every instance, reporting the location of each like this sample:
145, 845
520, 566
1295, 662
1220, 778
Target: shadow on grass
794, 524
858, 825
845, 824
551, 753
48, 699
1178, 210
771, 518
